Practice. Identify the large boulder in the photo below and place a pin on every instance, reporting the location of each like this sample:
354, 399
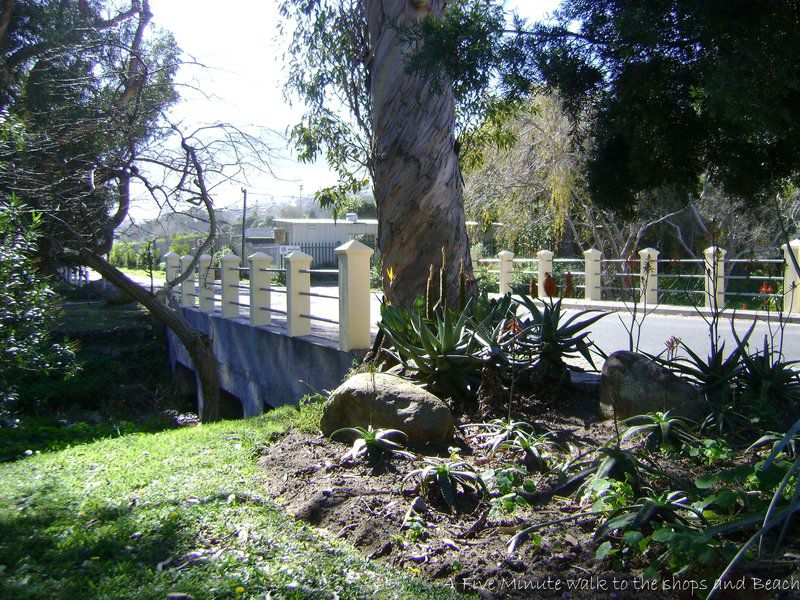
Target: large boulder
632, 384
389, 402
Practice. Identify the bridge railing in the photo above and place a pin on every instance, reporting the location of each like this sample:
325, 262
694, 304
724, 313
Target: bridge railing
714, 280
201, 290
76, 275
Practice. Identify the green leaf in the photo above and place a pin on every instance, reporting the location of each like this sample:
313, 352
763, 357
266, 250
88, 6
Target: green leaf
726, 498
604, 550
664, 534
632, 538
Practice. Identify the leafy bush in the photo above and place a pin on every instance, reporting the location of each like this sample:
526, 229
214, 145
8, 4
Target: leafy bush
28, 306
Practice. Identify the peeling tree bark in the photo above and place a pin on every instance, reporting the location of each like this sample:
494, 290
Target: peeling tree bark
418, 185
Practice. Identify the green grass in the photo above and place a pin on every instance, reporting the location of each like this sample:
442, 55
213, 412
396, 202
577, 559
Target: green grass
181, 511
81, 317
124, 384
141, 272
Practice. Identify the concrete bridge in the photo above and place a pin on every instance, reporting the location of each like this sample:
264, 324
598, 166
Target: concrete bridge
276, 343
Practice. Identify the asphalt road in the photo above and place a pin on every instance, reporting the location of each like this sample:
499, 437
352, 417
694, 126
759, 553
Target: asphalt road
611, 332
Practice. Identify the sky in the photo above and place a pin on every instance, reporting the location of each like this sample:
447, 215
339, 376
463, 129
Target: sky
242, 82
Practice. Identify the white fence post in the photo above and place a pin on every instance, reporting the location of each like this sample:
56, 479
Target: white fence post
230, 286
298, 285
173, 268
473, 255
205, 284
593, 278
187, 285
260, 284
714, 268
648, 272
545, 260
354, 306
506, 271
791, 279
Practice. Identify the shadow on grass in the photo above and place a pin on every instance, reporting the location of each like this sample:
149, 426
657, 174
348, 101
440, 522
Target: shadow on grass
69, 550
36, 435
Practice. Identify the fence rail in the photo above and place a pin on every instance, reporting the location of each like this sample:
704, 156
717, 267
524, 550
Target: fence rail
767, 283
224, 295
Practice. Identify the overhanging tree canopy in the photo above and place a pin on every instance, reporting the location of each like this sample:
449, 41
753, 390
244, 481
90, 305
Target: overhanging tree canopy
86, 85
676, 88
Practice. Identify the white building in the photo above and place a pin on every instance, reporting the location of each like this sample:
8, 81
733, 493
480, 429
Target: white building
319, 237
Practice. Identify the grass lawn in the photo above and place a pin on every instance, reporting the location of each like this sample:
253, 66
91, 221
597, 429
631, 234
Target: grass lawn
142, 273
124, 383
175, 512
82, 316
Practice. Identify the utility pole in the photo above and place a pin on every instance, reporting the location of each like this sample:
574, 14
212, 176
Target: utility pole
244, 217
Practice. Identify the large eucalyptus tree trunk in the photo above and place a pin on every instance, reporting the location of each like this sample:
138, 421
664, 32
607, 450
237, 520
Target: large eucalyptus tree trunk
418, 186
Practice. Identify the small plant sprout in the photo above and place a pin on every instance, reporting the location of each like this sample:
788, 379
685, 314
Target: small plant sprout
497, 432
660, 431
536, 449
504, 486
671, 508
445, 478
372, 443
612, 463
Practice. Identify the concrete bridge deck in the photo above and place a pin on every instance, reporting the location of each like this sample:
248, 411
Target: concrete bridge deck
298, 364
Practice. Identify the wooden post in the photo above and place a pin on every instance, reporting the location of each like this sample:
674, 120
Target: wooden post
791, 278
648, 271
230, 286
506, 271
205, 284
173, 269
714, 267
593, 278
545, 266
187, 285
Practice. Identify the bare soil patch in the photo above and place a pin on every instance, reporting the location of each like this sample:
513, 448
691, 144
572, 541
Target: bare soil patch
467, 547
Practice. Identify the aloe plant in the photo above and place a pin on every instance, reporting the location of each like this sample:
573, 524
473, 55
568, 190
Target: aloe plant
445, 478
550, 341
372, 442
670, 508
660, 430
442, 354
497, 431
769, 386
536, 449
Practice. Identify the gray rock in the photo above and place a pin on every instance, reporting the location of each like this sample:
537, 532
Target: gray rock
386, 401
634, 385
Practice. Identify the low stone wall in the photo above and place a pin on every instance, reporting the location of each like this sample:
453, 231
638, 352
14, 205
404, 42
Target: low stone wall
262, 366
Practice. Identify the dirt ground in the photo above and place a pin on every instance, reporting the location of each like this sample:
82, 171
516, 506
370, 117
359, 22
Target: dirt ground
466, 548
